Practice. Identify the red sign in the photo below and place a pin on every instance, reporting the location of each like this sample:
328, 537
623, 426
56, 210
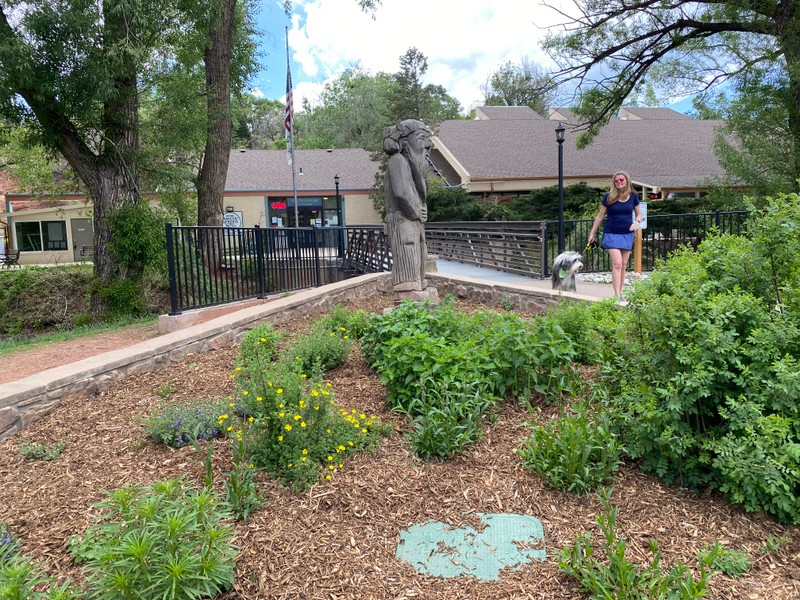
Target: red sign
278, 206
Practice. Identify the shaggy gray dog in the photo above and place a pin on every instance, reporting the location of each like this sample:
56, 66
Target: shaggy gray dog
565, 266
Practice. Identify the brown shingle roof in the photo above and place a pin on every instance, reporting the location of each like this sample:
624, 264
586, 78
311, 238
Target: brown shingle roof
506, 112
269, 170
669, 152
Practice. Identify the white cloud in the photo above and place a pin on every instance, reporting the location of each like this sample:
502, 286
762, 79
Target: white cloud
464, 42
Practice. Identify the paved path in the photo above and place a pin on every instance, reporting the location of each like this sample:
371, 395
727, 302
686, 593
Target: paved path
448, 267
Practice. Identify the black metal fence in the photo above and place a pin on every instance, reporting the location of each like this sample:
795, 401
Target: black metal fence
664, 234
217, 265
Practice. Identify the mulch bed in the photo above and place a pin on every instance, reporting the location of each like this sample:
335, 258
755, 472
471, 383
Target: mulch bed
338, 539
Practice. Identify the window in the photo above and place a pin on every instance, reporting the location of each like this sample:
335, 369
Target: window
36, 236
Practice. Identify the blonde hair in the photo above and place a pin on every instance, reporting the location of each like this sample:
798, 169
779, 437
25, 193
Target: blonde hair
615, 195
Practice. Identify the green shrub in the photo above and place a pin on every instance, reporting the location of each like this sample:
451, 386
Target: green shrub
179, 424
21, 578
587, 325
614, 576
294, 428
448, 418
36, 299
734, 563
166, 540
36, 451
300, 434
575, 451
137, 238
702, 376
9, 543
320, 350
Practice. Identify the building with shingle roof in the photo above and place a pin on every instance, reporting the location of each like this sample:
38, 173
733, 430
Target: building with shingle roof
664, 151
506, 151
259, 186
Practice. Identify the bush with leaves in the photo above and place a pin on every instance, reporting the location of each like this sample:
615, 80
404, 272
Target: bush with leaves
702, 378
21, 578
179, 424
576, 451
166, 540
614, 576
295, 430
448, 417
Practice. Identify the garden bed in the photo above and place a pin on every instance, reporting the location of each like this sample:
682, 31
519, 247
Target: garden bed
338, 539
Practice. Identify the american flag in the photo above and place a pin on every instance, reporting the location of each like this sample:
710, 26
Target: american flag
288, 113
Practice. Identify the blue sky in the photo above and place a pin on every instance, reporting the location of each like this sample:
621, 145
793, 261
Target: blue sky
464, 42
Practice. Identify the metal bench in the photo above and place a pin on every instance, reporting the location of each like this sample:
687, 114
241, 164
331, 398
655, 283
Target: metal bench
10, 259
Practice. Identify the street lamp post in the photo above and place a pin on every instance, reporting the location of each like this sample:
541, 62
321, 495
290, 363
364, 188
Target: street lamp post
339, 232
560, 139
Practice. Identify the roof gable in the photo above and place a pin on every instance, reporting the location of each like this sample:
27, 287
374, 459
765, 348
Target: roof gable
269, 170
675, 152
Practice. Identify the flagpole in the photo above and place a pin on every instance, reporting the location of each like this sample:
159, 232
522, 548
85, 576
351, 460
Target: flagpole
289, 125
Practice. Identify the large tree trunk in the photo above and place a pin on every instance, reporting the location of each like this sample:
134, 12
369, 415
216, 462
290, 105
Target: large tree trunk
787, 31
211, 182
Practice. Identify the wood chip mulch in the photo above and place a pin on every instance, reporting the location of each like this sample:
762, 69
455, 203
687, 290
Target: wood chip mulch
337, 541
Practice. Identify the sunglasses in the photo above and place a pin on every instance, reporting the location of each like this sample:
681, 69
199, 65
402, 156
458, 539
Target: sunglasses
620, 180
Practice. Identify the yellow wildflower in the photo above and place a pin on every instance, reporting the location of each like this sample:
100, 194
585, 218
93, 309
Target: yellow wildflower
287, 427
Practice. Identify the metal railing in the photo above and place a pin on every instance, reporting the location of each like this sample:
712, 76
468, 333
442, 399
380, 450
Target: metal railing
529, 247
217, 265
511, 246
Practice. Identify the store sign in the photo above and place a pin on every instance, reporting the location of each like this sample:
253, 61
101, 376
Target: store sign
278, 206
232, 219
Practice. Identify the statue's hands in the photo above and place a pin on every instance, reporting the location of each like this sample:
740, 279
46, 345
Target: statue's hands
424, 213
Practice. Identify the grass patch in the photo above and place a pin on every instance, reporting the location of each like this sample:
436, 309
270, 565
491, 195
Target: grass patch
11, 345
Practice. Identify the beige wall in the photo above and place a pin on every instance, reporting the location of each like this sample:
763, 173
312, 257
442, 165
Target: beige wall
358, 210
48, 257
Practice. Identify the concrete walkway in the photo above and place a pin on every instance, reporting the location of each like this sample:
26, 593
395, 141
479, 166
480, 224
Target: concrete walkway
456, 269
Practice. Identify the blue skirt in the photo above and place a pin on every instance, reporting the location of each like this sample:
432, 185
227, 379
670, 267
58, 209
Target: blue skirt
620, 241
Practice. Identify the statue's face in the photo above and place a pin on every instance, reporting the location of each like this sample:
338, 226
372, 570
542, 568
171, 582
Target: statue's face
419, 142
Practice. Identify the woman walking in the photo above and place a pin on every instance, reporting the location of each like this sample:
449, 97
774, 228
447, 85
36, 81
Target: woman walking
619, 206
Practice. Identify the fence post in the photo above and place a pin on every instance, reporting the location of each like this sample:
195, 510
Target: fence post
317, 242
545, 262
260, 270
173, 284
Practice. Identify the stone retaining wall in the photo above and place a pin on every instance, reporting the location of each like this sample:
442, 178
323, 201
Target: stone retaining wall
24, 401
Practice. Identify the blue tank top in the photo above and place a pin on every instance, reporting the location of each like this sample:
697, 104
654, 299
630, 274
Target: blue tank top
619, 216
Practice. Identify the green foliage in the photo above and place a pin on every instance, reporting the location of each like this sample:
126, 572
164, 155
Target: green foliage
773, 544
166, 540
448, 417
137, 238
36, 451
521, 84
734, 563
319, 350
294, 428
587, 325
179, 424
122, 297
241, 491
454, 204
22, 579
34, 299
614, 576
575, 451
9, 543
701, 377
445, 369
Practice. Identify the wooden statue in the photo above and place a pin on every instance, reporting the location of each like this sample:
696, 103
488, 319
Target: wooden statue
407, 144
